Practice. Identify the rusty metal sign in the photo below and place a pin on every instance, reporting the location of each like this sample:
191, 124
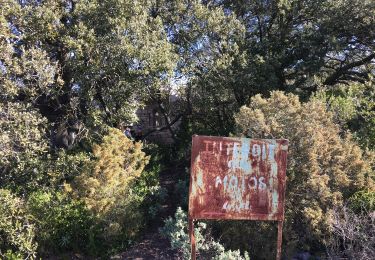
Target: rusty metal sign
237, 178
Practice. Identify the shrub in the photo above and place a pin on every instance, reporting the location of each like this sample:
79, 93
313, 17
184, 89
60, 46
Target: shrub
63, 166
176, 230
61, 223
362, 201
353, 235
16, 229
353, 106
181, 193
148, 181
147, 187
22, 145
325, 166
107, 186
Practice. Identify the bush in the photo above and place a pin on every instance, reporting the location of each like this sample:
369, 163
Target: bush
353, 106
22, 145
325, 166
16, 229
353, 235
362, 201
176, 230
147, 187
181, 193
107, 187
63, 166
61, 223
148, 181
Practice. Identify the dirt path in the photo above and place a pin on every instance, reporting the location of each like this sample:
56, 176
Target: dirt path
153, 246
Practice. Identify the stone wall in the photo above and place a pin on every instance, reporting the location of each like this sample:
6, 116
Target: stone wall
151, 119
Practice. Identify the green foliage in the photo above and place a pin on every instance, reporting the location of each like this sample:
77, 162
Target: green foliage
295, 46
98, 61
147, 185
64, 166
324, 166
353, 106
61, 223
362, 201
207, 248
134, 55
27, 164
17, 232
22, 145
182, 192
28, 71
343, 106
149, 177
9, 255
256, 237
208, 41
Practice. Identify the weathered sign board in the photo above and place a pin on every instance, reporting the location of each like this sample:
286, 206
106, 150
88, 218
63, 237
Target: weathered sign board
237, 178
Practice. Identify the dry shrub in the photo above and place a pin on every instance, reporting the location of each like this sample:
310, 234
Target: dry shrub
353, 235
106, 185
325, 166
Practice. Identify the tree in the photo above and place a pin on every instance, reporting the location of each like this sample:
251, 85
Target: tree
206, 39
91, 64
23, 145
325, 166
301, 44
296, 46
17, 232
98, 58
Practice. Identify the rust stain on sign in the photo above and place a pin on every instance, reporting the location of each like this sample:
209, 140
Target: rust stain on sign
237, 178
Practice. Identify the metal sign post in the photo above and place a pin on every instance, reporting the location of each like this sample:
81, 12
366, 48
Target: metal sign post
279, 238
192, 239
237, 178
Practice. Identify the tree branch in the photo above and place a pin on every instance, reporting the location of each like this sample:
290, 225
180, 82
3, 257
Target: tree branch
168, 126
331, 80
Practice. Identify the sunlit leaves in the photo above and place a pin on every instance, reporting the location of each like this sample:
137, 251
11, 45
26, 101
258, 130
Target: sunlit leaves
325, 166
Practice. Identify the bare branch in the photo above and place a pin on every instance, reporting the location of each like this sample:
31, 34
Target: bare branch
332, 79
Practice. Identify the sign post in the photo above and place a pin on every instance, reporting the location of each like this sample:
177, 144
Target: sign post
238, 179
